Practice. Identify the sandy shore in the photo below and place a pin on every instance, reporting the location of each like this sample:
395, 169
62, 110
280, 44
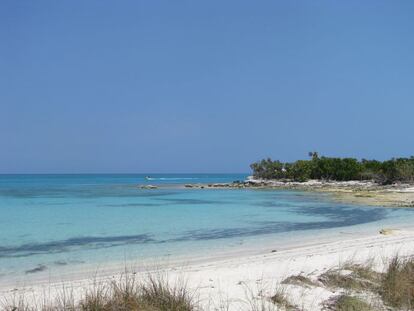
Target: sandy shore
233, 282
394, 197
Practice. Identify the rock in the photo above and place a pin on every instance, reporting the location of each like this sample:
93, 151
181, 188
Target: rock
39, 268
387, 231
188, 186
148, 187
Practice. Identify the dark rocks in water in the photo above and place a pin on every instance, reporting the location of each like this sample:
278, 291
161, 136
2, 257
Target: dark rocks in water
60, 263
234, 184
197, 186
221, 185
148, 187
39, 268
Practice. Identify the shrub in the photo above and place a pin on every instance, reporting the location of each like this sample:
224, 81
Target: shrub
340, 169
397, 286
350, 303
126, 294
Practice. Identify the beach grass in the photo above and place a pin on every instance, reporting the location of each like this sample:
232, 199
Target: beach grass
351, 303
300, 280
126, 294
356, 287
397, 286
282, 300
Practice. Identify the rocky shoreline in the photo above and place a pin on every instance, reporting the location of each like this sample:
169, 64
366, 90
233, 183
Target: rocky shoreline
355, 192
351, 192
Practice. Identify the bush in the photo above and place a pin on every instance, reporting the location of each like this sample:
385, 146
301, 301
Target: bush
338, 169
126, 294
397, 286
350, 303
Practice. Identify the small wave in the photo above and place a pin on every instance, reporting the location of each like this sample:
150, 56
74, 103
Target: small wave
172, 178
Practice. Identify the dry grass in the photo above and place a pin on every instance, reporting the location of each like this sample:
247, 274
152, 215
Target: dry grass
257, 298
363, 271
352, 276
299, 280
126, 294
393, 288
337, 279
397, 286
281, 299
350, 303
160, 295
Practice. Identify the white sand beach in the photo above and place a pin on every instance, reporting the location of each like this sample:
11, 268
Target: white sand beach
233, 283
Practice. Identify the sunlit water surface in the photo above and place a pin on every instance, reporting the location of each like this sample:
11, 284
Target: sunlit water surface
54, 221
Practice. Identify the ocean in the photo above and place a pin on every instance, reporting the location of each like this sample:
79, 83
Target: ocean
52, 222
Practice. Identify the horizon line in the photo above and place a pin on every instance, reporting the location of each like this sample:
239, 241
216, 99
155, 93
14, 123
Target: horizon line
153, 173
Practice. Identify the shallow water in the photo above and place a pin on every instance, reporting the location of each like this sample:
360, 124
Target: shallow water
50, 221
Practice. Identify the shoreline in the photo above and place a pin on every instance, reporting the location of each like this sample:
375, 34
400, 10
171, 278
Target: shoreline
266, 265
349, 192
215, 277
255, 246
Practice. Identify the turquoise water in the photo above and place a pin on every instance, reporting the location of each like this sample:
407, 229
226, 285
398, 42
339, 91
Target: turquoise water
50, 221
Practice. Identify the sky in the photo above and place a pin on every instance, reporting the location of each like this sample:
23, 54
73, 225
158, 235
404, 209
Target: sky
135, 86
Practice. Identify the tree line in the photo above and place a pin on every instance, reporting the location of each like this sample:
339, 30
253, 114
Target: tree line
336, 169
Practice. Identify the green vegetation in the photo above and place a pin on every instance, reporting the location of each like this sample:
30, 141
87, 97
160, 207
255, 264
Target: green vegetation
350, 303
337, 169
397, 286
356, 278
299, 280
360, 288
280, 298
127, 294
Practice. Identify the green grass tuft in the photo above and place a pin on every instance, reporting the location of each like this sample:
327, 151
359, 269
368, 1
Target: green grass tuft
280, 298
350, 303
352, 277
299, 280
127, 294
397, 286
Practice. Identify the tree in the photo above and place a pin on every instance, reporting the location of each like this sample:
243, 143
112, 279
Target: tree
341, 169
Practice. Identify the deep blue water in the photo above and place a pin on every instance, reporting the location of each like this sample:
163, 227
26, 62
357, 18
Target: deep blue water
48, 221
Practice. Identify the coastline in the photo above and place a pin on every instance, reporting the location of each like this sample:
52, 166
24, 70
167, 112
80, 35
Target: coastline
259, 269
255, 246
350, 192
229, 276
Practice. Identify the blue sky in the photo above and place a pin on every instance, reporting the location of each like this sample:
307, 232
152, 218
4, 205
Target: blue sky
202, 86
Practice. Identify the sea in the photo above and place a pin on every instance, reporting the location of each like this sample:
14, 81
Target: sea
51, 223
